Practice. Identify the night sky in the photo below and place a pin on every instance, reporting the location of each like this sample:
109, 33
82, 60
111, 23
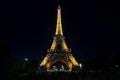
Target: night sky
91, 28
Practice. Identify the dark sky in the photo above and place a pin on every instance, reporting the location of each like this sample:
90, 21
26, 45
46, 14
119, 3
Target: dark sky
91, 28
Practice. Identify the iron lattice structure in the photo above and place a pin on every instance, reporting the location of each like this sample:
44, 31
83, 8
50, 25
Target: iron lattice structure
59, 50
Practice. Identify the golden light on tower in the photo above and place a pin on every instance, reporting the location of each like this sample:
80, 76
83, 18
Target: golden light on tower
59, 23
59, 50
59, 31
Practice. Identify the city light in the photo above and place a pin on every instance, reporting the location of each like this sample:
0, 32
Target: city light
80, 66
116, 66
26, 59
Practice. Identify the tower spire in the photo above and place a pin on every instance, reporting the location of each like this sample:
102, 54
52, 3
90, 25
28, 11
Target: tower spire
59, 22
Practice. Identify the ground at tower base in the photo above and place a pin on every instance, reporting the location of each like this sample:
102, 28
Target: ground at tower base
83, 75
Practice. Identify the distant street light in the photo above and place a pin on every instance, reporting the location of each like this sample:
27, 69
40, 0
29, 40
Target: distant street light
80, 66
26, 59
116, 66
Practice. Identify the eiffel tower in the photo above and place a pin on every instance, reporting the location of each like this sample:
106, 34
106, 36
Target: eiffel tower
59, 50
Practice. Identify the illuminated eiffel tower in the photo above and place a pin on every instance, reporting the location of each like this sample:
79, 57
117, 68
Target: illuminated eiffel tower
59, 50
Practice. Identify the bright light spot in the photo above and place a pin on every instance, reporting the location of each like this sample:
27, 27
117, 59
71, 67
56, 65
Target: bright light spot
80, 65
26, 59
116, 65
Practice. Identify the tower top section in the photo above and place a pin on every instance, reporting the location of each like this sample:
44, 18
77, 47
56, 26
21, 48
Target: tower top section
59, 30
59, 7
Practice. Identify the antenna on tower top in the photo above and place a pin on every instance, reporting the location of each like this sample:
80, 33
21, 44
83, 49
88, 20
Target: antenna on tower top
58, 4
59, 7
